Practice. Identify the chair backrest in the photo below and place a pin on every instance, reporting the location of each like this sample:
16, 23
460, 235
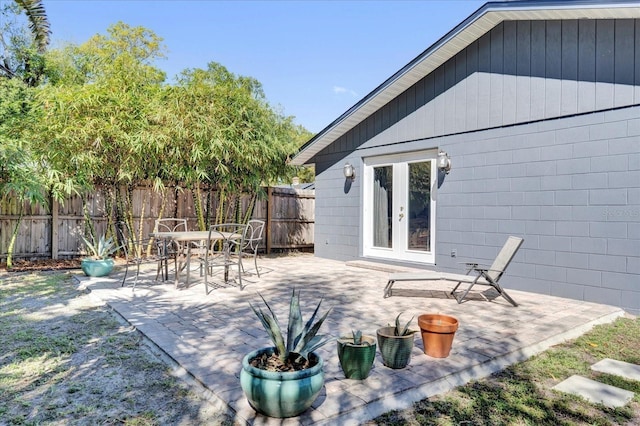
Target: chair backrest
253, 234
135, 248
503, 259
226, 235
170, 225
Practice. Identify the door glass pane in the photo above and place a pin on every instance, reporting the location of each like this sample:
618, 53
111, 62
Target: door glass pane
419, 206
382, 206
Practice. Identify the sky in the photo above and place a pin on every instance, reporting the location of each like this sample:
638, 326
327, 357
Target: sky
314, 59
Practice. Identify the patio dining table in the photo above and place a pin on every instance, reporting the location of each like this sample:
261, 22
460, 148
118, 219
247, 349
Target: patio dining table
185, 239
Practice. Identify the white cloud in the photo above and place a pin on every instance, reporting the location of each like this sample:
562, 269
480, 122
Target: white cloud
340, 90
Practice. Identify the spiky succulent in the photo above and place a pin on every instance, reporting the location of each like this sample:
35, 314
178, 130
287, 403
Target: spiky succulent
302, 338
357, 337
101, 249
403, 330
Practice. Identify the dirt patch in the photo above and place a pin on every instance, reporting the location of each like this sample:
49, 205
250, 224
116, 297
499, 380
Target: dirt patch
67, 359
21, 265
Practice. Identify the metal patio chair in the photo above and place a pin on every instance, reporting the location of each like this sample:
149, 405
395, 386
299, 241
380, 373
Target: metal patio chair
476, 274
173, 248
251, 241
217, 251
140, 251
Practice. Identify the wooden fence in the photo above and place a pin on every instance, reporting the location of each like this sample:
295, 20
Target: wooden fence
55, 233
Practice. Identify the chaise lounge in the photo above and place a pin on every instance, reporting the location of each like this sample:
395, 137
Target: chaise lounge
476, 274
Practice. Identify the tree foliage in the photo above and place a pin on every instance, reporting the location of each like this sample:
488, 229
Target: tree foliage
109, 119
21, 50
21, 175
38, 22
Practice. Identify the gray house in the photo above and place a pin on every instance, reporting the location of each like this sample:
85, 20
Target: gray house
536, 105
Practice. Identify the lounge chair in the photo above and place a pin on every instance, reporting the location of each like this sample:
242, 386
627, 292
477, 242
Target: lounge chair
476, 274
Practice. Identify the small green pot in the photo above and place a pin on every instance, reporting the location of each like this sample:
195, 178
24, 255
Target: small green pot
356, 360
281, 394
395, 350
97, 267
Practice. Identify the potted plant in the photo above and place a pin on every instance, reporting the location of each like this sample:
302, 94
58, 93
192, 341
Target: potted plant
356, 355
99, 264
437, 332
284, 380
396, 344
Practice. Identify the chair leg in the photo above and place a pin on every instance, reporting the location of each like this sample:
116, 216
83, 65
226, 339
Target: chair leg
500, 290
206, 282
255, 262
461, 298
387, 288
126, 270
136, 280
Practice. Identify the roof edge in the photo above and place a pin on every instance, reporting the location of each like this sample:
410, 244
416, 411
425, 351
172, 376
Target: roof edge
303, 155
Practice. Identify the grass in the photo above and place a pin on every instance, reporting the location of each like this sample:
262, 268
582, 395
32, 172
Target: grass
522, 395
67, 360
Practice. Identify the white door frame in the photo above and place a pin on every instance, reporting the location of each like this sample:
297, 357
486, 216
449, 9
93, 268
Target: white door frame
399, 250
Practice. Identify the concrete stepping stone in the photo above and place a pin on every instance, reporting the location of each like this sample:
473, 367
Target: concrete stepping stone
595, 392
618, 368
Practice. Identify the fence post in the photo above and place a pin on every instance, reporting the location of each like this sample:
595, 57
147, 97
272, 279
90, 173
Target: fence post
54, 228
269, 217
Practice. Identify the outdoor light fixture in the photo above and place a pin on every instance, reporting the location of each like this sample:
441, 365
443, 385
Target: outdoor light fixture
349, 171
444, 162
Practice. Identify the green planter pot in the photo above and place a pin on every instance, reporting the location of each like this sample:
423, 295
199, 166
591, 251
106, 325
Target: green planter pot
356, 360
97, 267
281, 395
395, 350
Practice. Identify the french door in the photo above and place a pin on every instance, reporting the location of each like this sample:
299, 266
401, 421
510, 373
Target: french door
400, 206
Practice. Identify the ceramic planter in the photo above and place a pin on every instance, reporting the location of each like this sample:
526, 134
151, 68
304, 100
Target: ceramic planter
395, 350
97, 267
437, 334
356, 360
281, 394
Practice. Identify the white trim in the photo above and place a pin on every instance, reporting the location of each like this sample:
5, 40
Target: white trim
400, 163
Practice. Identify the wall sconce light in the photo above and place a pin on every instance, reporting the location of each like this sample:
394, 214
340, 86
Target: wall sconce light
444, 162
349, 171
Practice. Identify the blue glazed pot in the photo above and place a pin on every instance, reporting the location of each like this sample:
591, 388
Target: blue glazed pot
96, 267
281, 394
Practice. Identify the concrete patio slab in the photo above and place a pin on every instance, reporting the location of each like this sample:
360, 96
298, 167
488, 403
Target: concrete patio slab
207, 335
595, 392
618, 368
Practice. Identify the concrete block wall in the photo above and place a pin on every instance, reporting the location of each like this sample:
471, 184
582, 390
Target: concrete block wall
570, 187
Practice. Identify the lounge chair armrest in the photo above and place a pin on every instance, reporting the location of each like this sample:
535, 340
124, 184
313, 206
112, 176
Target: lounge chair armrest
472, 264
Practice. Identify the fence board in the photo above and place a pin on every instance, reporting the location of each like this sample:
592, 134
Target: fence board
56, 233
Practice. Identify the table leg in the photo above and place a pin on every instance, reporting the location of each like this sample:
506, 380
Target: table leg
188, 264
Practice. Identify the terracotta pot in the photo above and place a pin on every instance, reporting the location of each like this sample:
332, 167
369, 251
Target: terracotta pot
437, 334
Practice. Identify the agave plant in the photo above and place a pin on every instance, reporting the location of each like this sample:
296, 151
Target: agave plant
302, 338
403, 330
357, 337
101, 249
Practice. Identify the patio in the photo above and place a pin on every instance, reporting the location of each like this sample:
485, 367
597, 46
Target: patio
207, 336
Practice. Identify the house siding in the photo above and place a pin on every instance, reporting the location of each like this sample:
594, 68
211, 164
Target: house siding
517, 72
540, 119
579, 216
